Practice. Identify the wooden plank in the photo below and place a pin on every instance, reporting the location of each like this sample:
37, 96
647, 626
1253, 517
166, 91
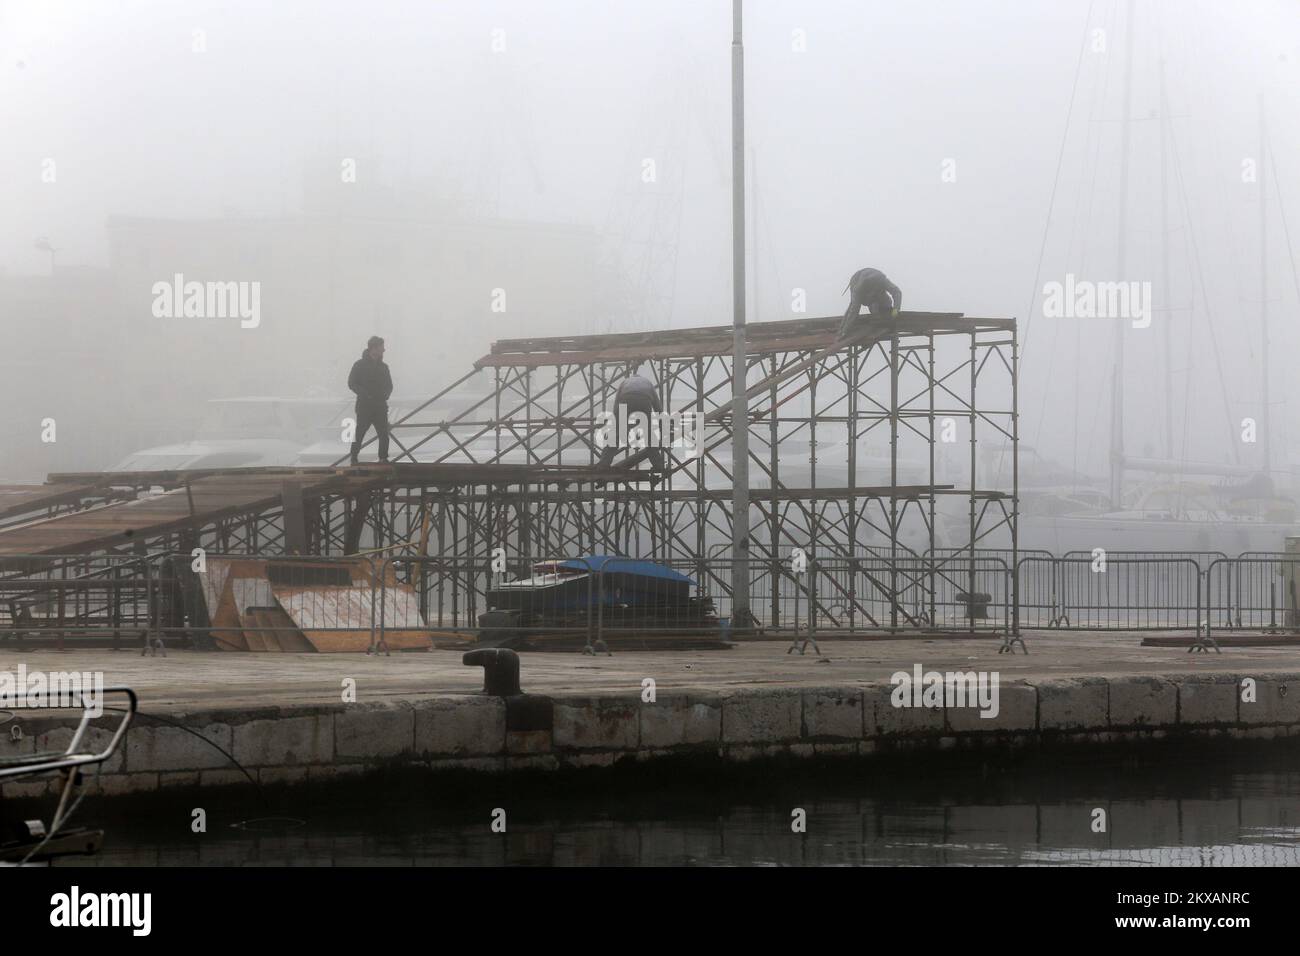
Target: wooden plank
253, 637
761, 338
357, 642
21, 499
277, 632
757, 331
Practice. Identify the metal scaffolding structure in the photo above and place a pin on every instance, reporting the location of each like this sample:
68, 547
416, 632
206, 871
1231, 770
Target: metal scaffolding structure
854, 454
815, 404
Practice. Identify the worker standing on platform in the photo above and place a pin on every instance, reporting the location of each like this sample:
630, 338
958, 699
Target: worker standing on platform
637, 394
373, 383
872, 288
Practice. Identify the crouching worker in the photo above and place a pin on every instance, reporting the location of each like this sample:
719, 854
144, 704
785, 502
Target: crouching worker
636, 394
872, 288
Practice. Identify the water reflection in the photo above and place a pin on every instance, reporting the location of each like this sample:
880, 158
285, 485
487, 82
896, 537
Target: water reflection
1163, 818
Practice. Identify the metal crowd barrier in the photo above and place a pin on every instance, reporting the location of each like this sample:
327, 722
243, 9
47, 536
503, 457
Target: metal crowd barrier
910, 593
689, 600
1254, 591
150, 600
454, 594
1202, 558
102, 599
1130, 594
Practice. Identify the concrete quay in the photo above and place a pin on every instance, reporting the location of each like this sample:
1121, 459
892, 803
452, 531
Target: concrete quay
284, 719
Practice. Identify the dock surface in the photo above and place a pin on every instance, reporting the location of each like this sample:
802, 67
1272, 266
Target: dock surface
186, 680
289, 718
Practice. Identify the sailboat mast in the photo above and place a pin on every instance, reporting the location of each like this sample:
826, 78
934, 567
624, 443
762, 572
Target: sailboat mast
1264, 430
1166, 291
1121, 270
753, 229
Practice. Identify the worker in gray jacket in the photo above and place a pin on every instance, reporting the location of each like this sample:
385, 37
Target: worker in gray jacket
872, 288
637, 394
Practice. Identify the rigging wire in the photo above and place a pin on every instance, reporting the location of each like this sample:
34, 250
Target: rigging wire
1051, 202
1074, 236
1286, 230
1056, 180
1200, 278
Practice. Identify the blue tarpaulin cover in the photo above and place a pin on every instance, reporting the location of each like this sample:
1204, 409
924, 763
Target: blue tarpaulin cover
646, 569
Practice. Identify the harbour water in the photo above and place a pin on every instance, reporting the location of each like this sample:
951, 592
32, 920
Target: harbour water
1189, 808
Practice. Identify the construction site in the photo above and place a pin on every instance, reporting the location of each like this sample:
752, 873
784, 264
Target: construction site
515, 478
634, 535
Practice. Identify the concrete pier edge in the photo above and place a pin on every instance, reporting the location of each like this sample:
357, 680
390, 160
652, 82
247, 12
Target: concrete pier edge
311, 743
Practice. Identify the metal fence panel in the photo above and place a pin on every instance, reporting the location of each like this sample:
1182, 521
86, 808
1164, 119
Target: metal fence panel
1131, 594
1254, 591
100, 599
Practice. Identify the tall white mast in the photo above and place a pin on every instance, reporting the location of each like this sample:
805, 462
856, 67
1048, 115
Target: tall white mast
1121, 275
1265, 446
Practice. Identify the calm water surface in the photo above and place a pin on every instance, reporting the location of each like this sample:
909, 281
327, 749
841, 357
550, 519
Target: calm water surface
1187, 811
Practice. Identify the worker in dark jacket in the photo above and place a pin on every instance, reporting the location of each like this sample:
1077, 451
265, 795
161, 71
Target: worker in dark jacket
637, 394
872, 288
373, 383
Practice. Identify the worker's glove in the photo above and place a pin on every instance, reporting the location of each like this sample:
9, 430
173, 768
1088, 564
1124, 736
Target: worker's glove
894, 314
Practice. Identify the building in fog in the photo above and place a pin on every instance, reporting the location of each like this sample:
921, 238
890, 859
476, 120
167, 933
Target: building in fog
438, 291
439, 286
68, 358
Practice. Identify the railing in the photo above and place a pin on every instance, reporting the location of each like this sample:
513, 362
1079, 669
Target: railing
689, 600
301, 603
1202, 558
1254, 591
1110, 593
453, 599
102, 598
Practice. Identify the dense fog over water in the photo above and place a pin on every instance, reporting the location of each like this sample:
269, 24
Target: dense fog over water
446, 175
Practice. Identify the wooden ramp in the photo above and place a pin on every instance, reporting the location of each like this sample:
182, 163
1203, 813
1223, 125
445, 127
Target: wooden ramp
338, 619
271, 629
249, 612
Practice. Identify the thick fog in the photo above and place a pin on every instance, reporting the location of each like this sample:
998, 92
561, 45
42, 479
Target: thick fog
449, 174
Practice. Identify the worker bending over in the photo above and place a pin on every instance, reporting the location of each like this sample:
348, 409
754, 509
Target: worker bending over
872, 288
637, 394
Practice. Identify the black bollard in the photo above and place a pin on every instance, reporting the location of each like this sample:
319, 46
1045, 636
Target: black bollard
500, 670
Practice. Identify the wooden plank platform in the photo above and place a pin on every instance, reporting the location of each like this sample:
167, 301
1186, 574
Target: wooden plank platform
1240, 639
212, 496
24, 499
761, 338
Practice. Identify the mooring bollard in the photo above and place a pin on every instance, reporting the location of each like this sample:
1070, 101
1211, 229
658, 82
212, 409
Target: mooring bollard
500, 670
